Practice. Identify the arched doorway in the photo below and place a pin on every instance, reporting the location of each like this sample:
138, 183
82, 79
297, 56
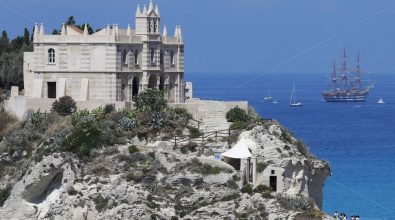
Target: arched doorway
135, 86
162, 83
152, 82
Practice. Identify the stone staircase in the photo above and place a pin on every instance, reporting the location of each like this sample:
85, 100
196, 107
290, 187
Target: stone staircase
213, 121
213, 117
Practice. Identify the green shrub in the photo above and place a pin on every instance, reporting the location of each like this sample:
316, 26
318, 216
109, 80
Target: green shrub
260, 167
237, 125
127, 123
314, 213
267, 195
151, 100
129, 113
85, 136
297, 202
111, 132
286, 136
237, 114
247, 189
236, 177
179, 113
133, 149
100, 203
109, 108
232, 184
262, 188
189, 147
129, 177
215, 170
157, 120
6, 120
64, 106
4, 194
98, 112
194, 132
205, 169
20, 140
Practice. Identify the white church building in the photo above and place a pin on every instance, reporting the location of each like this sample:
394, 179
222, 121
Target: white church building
111, 65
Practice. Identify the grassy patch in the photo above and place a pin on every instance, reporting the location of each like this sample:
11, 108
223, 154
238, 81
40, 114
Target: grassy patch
260, 167
232, 184
302, 148
247, 189
133, 149
4, 194
100, 203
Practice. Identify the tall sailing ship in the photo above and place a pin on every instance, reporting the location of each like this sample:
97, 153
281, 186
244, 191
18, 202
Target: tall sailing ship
346, 83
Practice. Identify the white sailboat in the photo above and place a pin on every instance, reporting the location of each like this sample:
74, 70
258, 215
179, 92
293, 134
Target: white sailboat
269, 97
292, 101
381, 101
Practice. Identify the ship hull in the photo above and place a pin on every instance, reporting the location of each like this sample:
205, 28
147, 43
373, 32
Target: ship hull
344, 98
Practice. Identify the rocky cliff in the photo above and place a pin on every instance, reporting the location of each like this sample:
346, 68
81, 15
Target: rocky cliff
165, 182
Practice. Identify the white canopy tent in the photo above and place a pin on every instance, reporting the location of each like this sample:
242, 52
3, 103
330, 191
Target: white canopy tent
239, 151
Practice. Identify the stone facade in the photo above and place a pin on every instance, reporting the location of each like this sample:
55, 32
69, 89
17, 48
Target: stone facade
111, 65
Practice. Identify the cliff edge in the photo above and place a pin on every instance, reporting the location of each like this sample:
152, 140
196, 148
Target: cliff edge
159, 181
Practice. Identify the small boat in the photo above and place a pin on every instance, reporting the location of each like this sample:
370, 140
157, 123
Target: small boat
292, 101
275, 102
269, 97
381, 101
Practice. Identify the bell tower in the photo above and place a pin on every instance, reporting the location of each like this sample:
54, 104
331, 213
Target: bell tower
148, 20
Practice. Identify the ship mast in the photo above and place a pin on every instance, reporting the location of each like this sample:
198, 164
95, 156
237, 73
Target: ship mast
344, 72
357, 79
334, 76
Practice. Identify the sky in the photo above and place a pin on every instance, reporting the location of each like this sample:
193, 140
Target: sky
241, 36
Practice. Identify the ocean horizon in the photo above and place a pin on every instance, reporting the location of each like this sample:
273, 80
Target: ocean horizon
357, 139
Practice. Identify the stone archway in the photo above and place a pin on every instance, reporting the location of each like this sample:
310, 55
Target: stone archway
152, 81
135, 86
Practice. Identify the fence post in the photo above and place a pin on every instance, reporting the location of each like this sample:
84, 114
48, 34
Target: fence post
203, 137
229, 132
198, 125
175, 141
216, 135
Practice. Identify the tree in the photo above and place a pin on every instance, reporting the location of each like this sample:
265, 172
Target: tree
70, 21
55, 32
26, 37
4, 42
90, 29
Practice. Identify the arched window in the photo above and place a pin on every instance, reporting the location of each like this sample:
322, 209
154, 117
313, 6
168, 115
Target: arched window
161, 57
124, 57
155, 26
136, 57
171, 57
152, 55
51, 56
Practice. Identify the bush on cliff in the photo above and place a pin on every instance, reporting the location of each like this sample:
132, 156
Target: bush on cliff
6, 121
64, 106
302, 148
85, 136
237, 114
4, 194
297, 202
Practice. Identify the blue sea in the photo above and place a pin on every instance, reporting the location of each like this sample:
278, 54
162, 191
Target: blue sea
357, 139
